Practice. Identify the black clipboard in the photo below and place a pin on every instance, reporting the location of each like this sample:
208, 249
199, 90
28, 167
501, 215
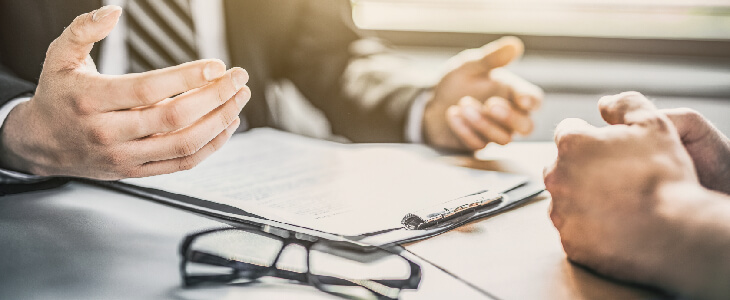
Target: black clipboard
419, 223
231, 215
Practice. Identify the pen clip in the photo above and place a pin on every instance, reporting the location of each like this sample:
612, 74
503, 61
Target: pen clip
459, 206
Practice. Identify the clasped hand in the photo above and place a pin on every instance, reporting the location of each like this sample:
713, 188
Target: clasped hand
641, 200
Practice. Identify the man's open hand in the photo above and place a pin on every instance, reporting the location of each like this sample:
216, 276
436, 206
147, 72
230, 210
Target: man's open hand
478, 102
83, 124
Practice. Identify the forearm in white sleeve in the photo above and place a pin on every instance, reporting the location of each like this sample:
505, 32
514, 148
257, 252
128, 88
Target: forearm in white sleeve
414, 122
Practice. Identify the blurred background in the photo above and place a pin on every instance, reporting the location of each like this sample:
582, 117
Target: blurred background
675, 52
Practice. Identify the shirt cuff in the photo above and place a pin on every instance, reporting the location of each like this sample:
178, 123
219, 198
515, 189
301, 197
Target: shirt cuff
414, 123
5, 109
7, 176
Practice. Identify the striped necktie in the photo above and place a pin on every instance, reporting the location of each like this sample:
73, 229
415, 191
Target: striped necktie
160, 34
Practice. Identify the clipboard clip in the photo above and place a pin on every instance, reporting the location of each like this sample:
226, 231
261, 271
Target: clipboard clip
454, 208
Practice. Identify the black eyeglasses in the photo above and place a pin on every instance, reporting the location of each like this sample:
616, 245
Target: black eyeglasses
247, 253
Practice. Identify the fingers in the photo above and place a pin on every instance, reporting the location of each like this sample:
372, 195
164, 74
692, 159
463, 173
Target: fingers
462, 130
190, 161
501, 52
628, 108
477, 124
189, 140
482, 124
524, 94
75, 43
188, 108
690, 124
136, 90
570, 132
502, 112
496, 54
615, 108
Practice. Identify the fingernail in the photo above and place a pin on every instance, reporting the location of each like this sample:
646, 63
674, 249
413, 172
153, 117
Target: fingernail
242, 98
240, 78
213, 71
471, 113
103, 12
499, 112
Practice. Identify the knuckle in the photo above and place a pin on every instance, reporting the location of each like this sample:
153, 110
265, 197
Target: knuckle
620, 103
227, 118
143, 92
221, 90
549, 179
691, 115
102, 136
188, 162
172, 118
569, 141
82, 105
555, 188
556, 218
632, 100
117, 160
186, 148
77, 29
216, 144
657, 122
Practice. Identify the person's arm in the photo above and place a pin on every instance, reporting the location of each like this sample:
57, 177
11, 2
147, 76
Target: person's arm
699, 263
13, 91
364, 91
367, 92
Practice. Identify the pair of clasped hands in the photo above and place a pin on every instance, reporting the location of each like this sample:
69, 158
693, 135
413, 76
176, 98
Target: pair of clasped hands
81, 123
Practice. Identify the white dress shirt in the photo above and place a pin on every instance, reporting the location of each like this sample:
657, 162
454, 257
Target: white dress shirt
210, 36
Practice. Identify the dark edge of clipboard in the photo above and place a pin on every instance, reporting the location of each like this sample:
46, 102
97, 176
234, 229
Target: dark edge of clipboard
232, 215
523, 193
220, 212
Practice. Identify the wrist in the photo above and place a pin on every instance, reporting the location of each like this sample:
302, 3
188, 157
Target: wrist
427, 120
697, 264
12, 139
414, 132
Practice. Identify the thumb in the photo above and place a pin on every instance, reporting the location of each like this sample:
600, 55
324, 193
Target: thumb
501, 52
691, 125
75, 43
627, 108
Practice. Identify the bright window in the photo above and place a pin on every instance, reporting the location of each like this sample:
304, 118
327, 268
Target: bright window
662, 19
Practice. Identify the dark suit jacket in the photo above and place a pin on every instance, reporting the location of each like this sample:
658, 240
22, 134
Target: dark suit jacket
313, 43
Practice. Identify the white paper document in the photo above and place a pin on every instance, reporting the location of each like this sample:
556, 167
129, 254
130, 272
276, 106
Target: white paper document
336, 188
